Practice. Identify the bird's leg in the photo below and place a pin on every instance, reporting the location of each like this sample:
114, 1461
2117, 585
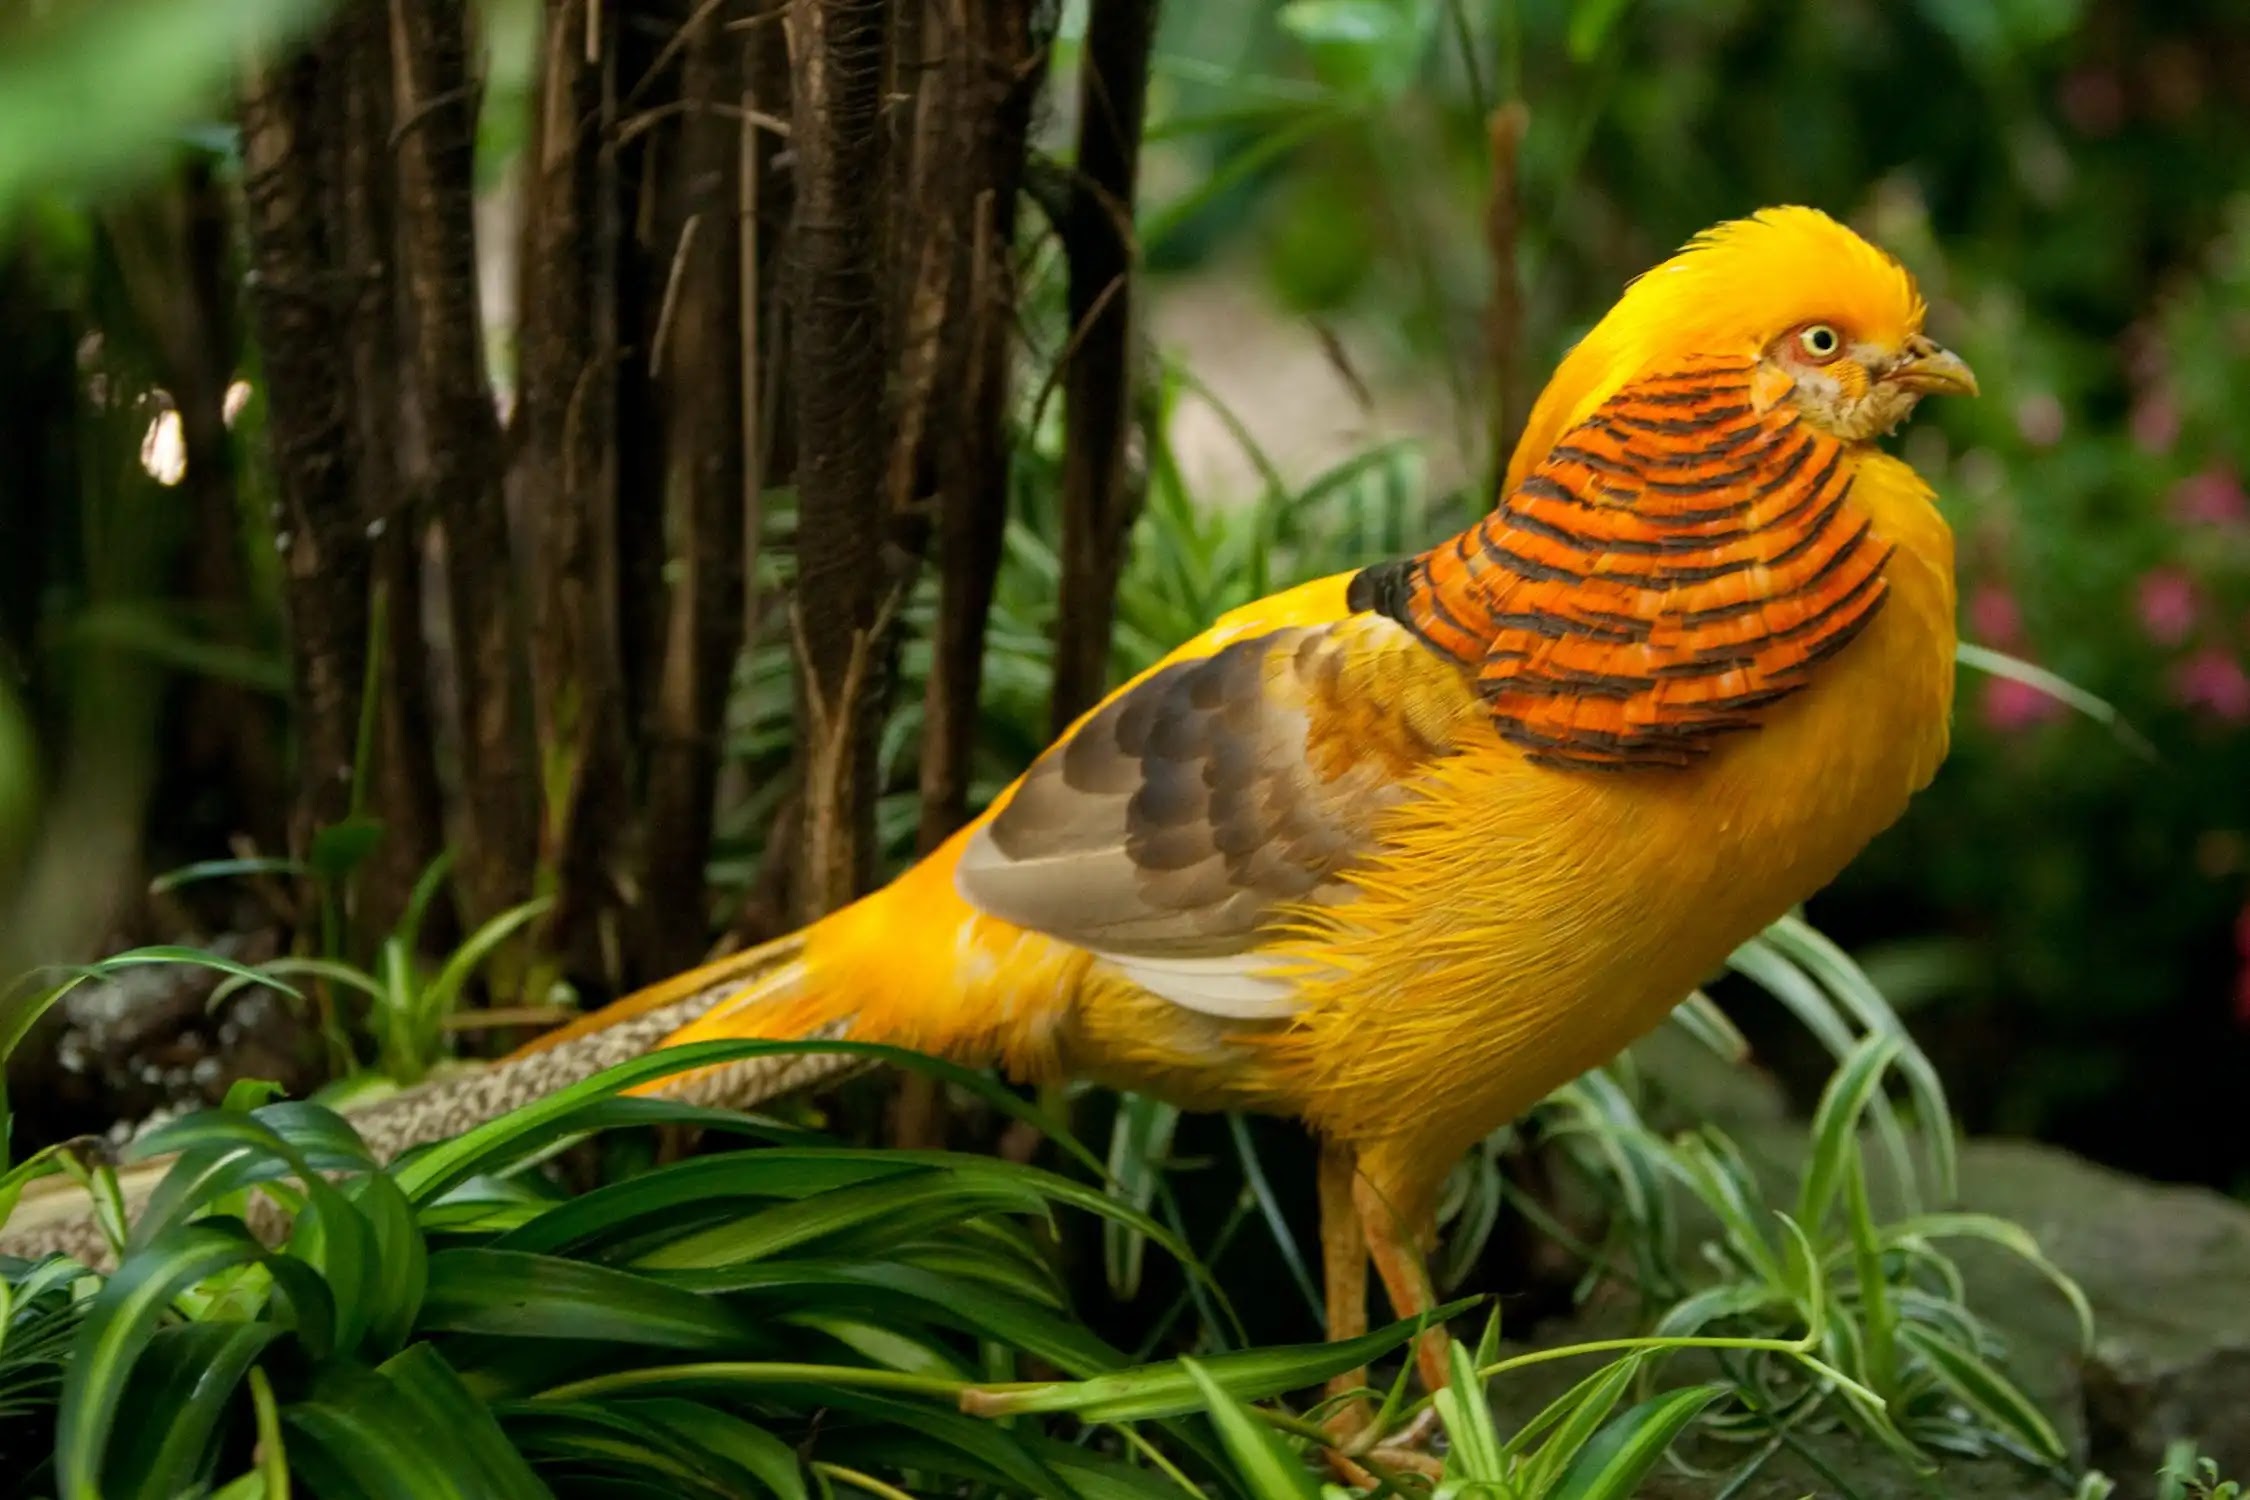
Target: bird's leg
1343, 1261
1394, 1243
1347, 1229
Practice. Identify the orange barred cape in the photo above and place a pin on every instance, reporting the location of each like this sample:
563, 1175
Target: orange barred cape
1678, 561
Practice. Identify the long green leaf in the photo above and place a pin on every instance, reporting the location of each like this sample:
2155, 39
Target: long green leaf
1265, 1462
523, 1296
1620, 1456
191, 1375
851, 1220
1596, 1399
2013, 1238
1476, 1453
360, 1436
1139, 1141
1835, 1133
117, 1331
1834, 968
1170, 1389
430, 1387
1983, 1389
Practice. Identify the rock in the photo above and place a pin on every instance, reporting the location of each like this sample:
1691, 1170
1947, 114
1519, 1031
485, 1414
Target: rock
2166, 1269
2168, 1272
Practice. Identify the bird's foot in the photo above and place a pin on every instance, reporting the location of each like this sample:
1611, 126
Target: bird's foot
1361, 1456
1368, 1471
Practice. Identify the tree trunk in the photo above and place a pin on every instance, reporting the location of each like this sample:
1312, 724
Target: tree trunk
290, 119
565, 429
1099, 501
994, 63
696, 367
405, 796
436, 136
839, 371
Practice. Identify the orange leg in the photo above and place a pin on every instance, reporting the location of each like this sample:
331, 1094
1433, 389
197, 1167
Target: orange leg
1395, 1234
1344, 1253
1360, 1220
1343, 1261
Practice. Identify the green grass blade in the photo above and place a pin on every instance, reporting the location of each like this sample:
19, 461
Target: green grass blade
1475, 1453
1984, 1390
1835, 1134
360, 1436
224, 869
1169, 1389
1595, 1399
501, 1143
1271, 1471
1139, 1142
1620, 1456
516, 1295
442, 994
1700, 1017
2013, 1238
1277, 1224
117, 1332
436, 1394
191, 1375
1834, 968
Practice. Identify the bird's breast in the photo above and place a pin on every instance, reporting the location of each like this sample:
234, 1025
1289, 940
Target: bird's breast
1527, 923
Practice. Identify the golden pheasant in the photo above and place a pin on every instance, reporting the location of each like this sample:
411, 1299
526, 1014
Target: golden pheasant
1397, 852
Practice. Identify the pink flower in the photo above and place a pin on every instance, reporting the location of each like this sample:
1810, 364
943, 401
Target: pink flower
2214, 682
2156, 421
2012, 707
1994, 619
2212, 498
2168, 605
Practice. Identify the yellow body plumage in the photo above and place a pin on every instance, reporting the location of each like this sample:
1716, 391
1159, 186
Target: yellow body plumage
1510, 924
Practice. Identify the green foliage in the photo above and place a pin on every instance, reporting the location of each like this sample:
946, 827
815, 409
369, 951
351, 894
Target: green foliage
2188, 1476
91, 90
455, 1326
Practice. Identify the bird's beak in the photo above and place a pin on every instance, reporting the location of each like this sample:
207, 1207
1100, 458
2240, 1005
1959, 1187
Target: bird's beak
1930, 369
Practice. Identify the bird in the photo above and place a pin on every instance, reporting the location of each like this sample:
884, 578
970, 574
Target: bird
1397, 852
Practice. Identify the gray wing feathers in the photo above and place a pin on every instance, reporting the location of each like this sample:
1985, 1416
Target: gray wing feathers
1170, 829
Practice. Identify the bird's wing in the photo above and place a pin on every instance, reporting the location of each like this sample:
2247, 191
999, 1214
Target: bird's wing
1172, 829
1674, 566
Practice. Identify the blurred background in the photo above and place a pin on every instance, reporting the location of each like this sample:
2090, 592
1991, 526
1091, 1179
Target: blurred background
1369, 229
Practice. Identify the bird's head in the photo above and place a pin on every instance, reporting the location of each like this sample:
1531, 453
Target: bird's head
1832, 325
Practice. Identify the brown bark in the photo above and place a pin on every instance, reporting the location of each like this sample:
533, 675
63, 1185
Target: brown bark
405, 796
300, 303
436, 138
994, 62
696, 366
643, 131
838, 376
1099, 501
566, 473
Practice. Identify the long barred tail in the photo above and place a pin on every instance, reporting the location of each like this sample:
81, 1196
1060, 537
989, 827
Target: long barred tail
55, 1215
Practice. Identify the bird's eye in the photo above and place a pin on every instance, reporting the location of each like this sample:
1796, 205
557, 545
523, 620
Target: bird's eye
1820, 341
